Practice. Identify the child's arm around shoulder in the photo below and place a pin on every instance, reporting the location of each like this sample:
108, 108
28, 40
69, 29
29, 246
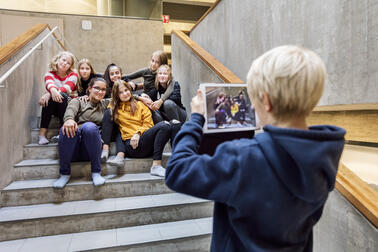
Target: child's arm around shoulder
210, 177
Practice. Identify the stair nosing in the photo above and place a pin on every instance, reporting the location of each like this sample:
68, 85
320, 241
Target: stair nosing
187, 200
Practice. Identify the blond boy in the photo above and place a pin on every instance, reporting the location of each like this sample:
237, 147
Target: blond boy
269, 191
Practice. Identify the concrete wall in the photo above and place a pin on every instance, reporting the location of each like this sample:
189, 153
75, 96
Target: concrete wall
126, 42
343, 228
343, 32
189, 70
19, 107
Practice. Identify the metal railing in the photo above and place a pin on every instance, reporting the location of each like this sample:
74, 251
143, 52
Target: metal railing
20, 61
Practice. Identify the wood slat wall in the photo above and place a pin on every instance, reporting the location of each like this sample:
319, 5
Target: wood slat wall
359, 120
223, 72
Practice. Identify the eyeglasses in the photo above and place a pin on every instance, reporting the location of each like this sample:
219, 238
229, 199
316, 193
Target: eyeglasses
99, 89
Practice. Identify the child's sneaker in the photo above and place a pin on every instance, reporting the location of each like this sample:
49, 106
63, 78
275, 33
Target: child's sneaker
158, 170
54, 139
117, 161
43, 140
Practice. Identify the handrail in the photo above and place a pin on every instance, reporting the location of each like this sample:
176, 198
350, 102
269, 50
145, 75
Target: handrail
20, 42
223, 72
205, 14
358, 193
347, 107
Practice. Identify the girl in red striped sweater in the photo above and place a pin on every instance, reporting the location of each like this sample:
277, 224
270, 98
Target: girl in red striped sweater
60, 83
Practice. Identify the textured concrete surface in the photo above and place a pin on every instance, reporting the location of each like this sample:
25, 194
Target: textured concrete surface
343, 228
343, 32
126, 42
30, 192
90, 215
19, 103
189, 70
188, 235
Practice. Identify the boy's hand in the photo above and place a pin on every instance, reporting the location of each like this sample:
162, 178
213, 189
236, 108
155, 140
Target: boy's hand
197, 104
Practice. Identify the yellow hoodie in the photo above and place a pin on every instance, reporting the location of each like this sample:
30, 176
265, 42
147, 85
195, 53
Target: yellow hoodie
130, 124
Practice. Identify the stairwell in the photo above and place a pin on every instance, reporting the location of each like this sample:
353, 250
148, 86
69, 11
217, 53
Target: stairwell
133, 211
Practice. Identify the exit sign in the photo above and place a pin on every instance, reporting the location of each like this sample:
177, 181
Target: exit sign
166, 19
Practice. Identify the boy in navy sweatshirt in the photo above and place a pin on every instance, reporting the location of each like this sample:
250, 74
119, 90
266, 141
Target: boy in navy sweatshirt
269, 191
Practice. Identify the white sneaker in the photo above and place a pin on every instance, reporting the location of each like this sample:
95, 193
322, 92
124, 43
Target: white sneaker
158, 170
54, 139
117, 161
43, 140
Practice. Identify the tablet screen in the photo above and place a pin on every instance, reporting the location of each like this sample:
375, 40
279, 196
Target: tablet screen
227, 108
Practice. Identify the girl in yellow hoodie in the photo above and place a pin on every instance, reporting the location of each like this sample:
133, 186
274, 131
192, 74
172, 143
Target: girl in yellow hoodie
139, 137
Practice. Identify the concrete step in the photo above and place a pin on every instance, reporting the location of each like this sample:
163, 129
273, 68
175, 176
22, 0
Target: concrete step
187, 235
31, 192
91, 215
49, 135
49, 168
50, 151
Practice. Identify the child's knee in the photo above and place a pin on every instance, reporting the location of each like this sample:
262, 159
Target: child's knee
89, 128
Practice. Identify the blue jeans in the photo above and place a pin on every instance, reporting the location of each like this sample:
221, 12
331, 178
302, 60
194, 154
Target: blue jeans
84, 146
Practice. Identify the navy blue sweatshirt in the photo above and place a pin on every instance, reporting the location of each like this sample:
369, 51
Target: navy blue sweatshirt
269, 191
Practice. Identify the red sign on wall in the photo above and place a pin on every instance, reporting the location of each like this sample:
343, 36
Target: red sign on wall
166, 19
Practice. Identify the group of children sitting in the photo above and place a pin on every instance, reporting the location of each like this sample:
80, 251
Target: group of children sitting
95, 109
269, 191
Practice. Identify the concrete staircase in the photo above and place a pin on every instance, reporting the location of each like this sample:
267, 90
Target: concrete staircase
133, 211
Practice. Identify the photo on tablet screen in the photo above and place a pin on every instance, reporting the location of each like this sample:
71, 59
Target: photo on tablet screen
227, 108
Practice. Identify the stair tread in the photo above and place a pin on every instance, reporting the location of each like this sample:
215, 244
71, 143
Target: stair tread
43, 183
50, 161
41, 145
94, 206
113, 237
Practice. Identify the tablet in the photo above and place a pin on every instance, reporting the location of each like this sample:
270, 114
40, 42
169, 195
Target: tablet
227, 108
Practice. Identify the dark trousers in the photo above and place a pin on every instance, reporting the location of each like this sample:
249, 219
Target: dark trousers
84, 146
109, 129
169, 111
53, 108
151, 142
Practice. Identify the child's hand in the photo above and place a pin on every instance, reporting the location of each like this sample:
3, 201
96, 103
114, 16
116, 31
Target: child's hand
134, 141
56, 96
133, 85
156, 104
44, 100
69, 128
197, 104
84, 98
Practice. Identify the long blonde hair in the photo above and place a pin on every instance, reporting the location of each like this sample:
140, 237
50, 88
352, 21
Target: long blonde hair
53, 63
81, 62
116, 101
169, 76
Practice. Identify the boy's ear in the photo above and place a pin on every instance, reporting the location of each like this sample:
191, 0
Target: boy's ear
266, 102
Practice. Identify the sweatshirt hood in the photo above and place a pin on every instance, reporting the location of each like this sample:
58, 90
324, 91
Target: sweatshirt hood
313, 156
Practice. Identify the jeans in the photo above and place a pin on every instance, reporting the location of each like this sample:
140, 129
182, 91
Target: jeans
84, 146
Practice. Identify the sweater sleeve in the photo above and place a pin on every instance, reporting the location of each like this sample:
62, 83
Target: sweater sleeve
72, 110
176, 94
134, 75
204, 176
49, 81
69, 84
168, 91
146, 118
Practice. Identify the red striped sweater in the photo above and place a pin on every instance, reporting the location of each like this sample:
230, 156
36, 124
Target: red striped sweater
66, 84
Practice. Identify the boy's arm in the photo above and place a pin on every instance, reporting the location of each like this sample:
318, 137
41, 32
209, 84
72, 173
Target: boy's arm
210, 177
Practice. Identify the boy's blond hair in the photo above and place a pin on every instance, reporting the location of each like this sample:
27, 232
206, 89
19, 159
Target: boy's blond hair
292, 77
54, 62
